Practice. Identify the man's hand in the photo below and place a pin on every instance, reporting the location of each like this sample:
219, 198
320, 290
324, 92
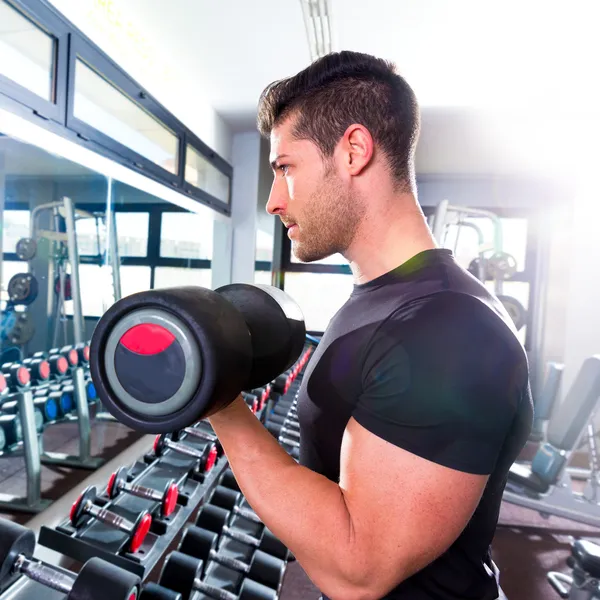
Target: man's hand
391, 514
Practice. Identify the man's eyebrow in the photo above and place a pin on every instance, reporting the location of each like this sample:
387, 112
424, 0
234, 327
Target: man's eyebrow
274, 161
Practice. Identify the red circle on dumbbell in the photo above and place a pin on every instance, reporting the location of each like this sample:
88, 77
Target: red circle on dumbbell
86, 353
111, 483
73, 358
170, 501
211, 459
23, 376
2, 382
44, 370
147, 338
140, 533
74, 509
62, 365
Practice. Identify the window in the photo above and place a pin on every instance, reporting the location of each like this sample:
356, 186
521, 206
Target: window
186, 235
134, 279
264, 246
200, 173
319, 295
14, 227
95, 285
262, 277
132, 233
91, 236
101, 105
26, 53
165, 277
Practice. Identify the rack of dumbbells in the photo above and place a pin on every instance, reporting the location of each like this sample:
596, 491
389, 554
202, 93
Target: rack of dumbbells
145, 355
40, 391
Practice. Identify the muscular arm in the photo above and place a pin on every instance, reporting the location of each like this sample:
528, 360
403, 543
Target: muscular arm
391, 514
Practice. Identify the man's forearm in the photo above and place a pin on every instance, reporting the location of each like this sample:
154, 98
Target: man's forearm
305, 510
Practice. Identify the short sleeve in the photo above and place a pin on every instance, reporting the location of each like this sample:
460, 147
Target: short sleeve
443, 378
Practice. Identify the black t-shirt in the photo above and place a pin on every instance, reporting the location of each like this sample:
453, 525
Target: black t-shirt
427, 359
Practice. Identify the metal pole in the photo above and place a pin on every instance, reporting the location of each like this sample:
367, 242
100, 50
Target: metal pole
112, 246
439, 221
30, 448
83, 414
74, 259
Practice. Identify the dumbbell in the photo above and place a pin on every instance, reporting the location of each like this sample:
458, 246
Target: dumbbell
153, 591
206, 456
85, 507
97, 579
11, 428
67, 352
17, 376
164, 359
83, 353
118, 484
251, 400
59, 366
200, 433
47, 406
283, 431
183, 574
67, 399
39, 370
232, 500
12, 408
263, 568
214, 518
286, 410
284, 421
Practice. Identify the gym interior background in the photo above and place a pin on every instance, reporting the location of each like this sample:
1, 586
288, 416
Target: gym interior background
129, 161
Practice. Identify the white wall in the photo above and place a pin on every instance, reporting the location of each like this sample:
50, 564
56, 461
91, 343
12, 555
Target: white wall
110, 27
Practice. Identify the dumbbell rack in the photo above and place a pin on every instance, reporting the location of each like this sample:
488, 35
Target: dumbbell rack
98, 540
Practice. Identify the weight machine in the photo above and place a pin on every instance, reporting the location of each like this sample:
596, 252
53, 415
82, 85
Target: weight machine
491, 263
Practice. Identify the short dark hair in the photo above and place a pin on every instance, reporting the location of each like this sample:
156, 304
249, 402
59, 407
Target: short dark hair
342, 88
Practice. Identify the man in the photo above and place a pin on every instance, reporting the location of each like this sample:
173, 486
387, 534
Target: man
416, 401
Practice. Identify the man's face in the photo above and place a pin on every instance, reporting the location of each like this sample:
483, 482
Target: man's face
311, 198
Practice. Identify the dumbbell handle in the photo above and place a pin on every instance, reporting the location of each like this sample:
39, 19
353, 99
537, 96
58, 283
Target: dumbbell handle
213, 591
142, 492
240, 537
247, 514
291, 432
183, 449
289, 442
227, 561
44, 574
106, 516
201, 435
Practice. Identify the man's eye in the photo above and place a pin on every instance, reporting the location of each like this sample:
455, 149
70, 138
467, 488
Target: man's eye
283, 168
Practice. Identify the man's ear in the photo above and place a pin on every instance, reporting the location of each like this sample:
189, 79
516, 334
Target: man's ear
357, 148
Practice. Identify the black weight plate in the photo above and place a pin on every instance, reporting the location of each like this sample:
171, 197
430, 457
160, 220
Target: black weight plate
99, 580
276, 327
198, 542
14, 540
213, 518
22, 330
153, 591
214, 330
22, 289
251, 590
26, 248
179, 572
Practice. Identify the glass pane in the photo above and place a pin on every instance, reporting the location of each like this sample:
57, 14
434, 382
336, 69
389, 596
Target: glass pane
93, 282
134, 279
262, 277
165, 277
186, 235
264, 246
90, 236
464, 241
15, 227
132, 233
104, 107
320, 295
335, 259
200, 173
26, 53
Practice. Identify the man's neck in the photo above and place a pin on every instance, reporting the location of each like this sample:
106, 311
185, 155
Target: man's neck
386, 239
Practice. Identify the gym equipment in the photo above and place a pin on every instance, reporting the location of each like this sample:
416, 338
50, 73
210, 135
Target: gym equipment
23, 289
216, 519
17, 327
206, 457
262, 568
153, 591
96, 580
544, 405
584, 583
545, 485
118, 484
39, 369
183, 574
499, 266
196, 432
17, 376
26, 249
85, 507
164, 359
283, 431
229, 500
